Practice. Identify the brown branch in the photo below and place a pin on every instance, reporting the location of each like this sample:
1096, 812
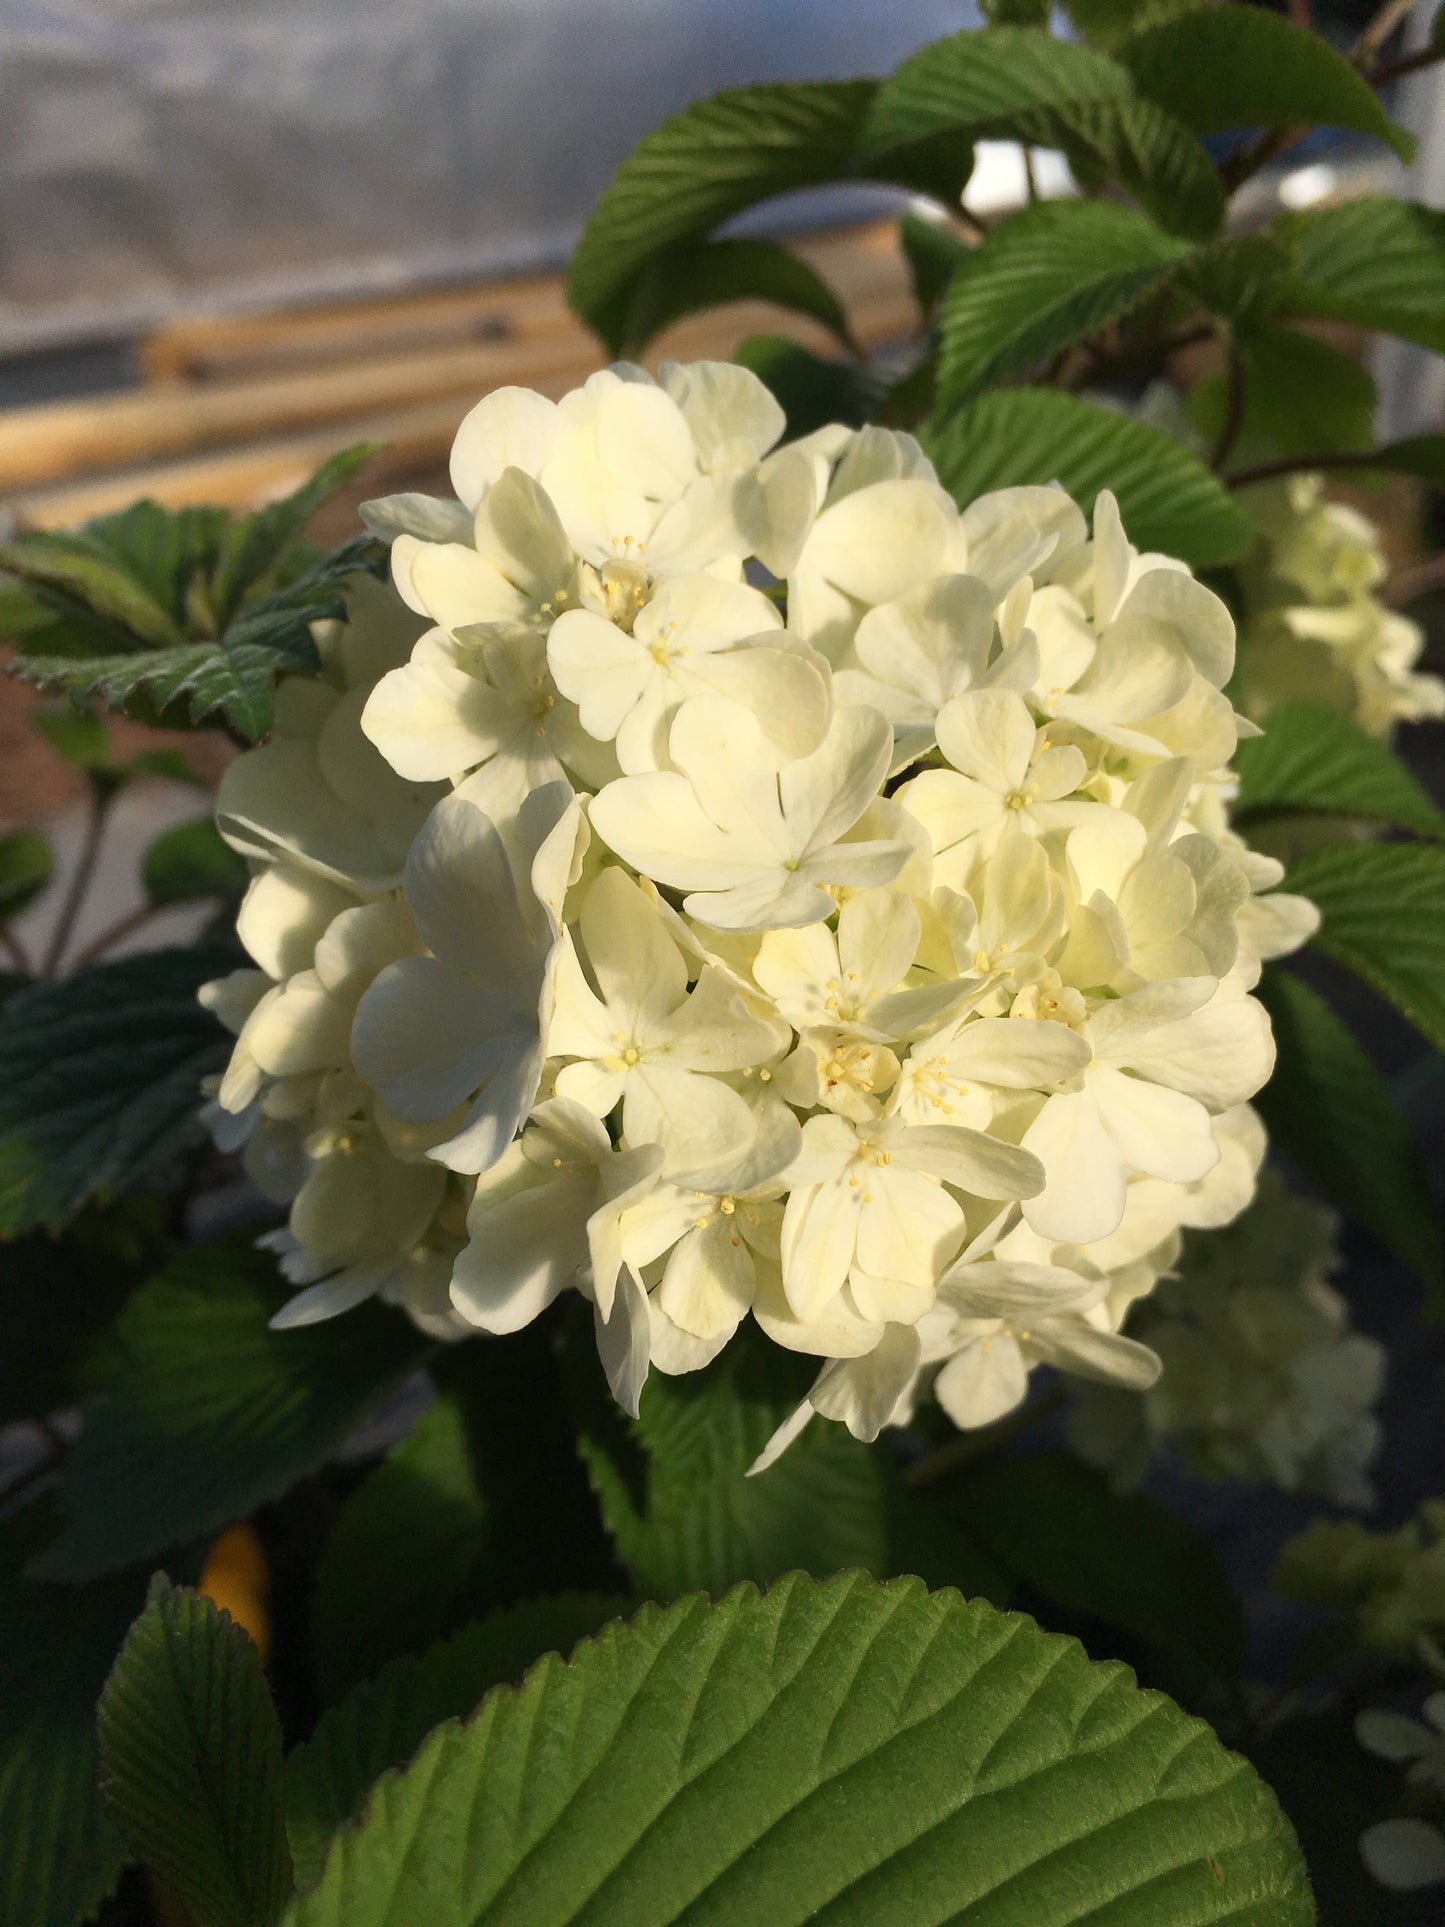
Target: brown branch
101, 798
15, 951
1409, 64
1379, 29
1233, 409
1300, 465
122, 927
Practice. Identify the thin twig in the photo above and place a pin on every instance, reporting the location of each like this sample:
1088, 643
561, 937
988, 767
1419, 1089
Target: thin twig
1409, 64
1302, 14
964, 1450
122, 927
1031, 181
1300, 465
1233, 409
36, 1474
1379, 29
101, 798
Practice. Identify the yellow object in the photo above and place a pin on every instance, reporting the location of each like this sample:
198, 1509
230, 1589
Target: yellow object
237, 1577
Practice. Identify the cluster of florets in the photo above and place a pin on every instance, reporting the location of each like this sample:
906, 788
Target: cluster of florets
762, 890
1313, 627
1264, 1378
1394, 1581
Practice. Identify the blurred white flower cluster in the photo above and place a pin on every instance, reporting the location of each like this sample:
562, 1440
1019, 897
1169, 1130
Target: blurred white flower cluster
1263, 1376
1312, 625
1408, 1852
867, 954
1394, 1581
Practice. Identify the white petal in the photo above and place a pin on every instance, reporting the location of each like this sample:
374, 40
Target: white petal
985, 1166
864, 1393
624, 1341
982, 1382
1156, 1130
511, 427
1083, 1194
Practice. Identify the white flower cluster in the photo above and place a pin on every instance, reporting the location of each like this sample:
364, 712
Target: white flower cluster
867, 954
1263, 1376
1408, 1852
1312, 625
1394, 1581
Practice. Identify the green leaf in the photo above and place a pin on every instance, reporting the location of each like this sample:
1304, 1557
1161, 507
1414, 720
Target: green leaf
1302, 397
383, 1722
1328, 1106
26, 863
1241, 277
1315, 759
1041, 282
59, 1299
843, 1752
812, 391
81, 739
711, 161
1168, 498
368, 1606
1120, 1558
192, 860
1382, 907
1109, 24
191, 1767
932, 252
678, 1501
208, 1413
258, 546
1420, 455
100, 1080
1222, 68
693, 275
233, 675
1017, 83
1377, 262
59, 1854
80, 567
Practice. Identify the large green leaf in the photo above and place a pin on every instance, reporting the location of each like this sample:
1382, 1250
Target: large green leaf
932, 251
191, 1761
59, 1855
191, 861
1316, 760
208, 1413
1382, 909
714, 159
1228, 67
1302, 397
693, 275
1041, 282
1239, 276
1377, 262
1110, 24
79, 567
100, 1080
367, 1605
383, 1721
258, 548
1168, 498
1119, 1558
840, 1753
1328, 1106
1020, 83
683, 1511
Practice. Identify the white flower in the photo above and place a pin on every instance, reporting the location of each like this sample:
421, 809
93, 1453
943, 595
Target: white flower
1006, 776
464, 1025
953, 1076
695, 637
643, 1040
755, 850
1407, 1853
1160, 1056
868, 1209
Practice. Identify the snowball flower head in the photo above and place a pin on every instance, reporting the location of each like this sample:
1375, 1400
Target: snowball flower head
856, 952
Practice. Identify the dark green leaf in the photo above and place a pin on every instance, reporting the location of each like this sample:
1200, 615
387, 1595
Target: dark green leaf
192, 860
1422, 456
1376, 262
209, 1414
191, 1767
100, 1080
678, 1500
1041, 282
1108, 24
843, 1752
1315, 759
1328, 1106
810, 390
1240, 277
1221, 68
383, 1722
932, 251
59, 1854
714, 159
1016, 83
1382, 907
1302, 397
1120, 1558
693, 275
1168, 498
25, 866
367, 1605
